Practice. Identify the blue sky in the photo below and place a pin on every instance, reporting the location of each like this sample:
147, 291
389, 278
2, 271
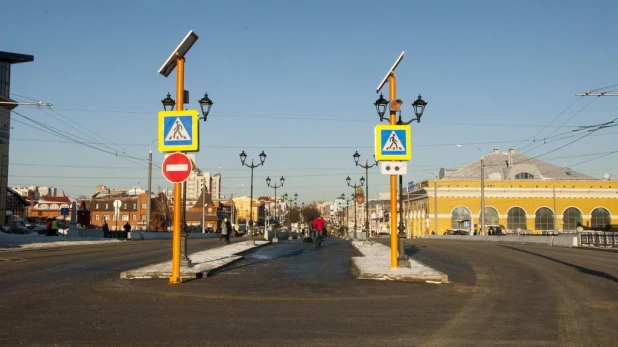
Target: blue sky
297, 79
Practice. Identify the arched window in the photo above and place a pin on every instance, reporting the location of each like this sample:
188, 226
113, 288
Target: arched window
601, 219
54, 207
516, 219
544, 219
571, 219
524, 176
459, 215
491, 216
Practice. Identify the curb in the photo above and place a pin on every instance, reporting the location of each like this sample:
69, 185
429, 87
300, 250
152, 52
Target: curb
187, 273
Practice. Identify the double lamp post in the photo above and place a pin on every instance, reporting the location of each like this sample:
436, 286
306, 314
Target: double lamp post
362, 181
366, 167
290, 201
243, 157
282, 180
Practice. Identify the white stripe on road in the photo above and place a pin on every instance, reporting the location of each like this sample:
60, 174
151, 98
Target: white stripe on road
177, 167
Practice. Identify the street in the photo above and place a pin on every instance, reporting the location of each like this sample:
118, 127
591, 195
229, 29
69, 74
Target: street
292, 293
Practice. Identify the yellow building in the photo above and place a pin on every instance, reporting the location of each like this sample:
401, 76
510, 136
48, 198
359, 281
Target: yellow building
243, 208
521, 194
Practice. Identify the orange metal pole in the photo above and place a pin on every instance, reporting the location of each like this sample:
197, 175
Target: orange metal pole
180, 87
392, 89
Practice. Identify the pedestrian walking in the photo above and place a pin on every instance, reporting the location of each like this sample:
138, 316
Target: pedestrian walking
54, 227
229, 231
105, 229
320, 227
127, 229
48, 230
224, 231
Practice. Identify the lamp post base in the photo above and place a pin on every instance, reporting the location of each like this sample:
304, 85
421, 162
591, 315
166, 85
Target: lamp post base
402, 260
184, 259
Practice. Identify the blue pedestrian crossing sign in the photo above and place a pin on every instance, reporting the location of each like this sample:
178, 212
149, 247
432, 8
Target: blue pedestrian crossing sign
393, 142
178, 131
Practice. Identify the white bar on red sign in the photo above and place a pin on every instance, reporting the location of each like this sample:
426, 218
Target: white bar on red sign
177, 167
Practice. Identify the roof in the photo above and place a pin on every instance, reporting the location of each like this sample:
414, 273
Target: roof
507, 165
15, 58
19, 196
200, 200
54, 199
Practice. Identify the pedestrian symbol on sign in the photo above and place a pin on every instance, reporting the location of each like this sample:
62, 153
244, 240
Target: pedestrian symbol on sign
393, 143
177, 132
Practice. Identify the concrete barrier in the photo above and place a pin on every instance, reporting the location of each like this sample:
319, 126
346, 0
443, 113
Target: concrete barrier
561, 240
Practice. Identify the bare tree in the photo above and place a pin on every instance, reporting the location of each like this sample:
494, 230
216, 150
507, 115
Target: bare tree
310, 212
162, 214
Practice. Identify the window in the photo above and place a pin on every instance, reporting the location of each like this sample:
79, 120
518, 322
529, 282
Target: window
143, 217
96, 217
571, 219
54, 207
144, 206
516, 219
601, 219
134, 217
524, 176
134, 206
459, 215
125, 217
106, 206
96, 206
491, 216
544, 219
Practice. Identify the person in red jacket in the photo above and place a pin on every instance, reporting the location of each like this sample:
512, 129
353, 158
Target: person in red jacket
320, 226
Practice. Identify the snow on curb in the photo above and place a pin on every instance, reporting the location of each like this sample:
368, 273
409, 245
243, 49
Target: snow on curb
204, 262
375, 264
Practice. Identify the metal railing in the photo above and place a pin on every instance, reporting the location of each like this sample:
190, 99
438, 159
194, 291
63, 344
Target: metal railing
600, 239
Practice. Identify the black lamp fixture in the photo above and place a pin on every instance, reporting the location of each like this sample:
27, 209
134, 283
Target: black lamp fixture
362, 180
262, 157
356, 157
419, 107
168, 102
380, 105
243, 157
205, 104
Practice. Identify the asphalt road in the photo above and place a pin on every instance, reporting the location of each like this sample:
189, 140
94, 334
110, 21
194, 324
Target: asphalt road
294, 294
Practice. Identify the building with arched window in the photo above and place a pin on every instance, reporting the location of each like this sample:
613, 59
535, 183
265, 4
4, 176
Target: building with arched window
522, 194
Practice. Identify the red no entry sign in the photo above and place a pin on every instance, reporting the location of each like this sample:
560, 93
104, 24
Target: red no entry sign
176, 167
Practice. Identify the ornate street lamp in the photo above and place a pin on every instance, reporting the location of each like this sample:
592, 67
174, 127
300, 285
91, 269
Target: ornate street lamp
168, 103
355, 186
243, 157
366, 167
205, 104
290, 200
380, 105
282, 180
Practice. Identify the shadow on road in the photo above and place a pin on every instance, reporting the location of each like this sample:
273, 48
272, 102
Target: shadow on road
579, 268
